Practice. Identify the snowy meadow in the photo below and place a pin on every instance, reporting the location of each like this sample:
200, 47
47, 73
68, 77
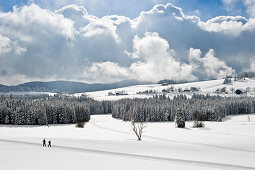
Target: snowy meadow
108, 143
225, 141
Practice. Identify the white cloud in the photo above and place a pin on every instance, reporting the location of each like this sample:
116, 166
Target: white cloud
215, 67
106, 71
250, 4
156, 60
231, 5
69, 43
7, 45
210, 64
228, 25
4, 45
20, 50
74, 11
78, 14
26, 23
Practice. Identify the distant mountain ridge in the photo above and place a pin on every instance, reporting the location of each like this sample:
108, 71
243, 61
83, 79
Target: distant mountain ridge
67, 86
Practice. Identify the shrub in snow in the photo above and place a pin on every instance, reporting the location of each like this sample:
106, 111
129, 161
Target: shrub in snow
198, 119
81, 115
179, 119
80, 124
227, 80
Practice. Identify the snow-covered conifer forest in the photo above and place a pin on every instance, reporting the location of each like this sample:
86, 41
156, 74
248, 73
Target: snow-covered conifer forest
62, 110
212, 108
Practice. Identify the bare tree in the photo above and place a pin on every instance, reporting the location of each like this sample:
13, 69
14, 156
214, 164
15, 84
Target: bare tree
138, 127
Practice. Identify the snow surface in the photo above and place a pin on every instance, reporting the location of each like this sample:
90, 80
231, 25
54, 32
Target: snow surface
207, 87
106, 143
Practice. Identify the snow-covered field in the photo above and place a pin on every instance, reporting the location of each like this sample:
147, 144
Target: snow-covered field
106, 143
206, 87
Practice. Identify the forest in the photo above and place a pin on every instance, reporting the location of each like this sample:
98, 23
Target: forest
161, 108
64, 109
48, 110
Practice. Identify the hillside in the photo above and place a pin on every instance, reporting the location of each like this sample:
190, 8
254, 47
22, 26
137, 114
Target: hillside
206, 87
65, 86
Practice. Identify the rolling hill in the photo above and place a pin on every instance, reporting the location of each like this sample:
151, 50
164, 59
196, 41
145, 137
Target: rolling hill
66, 86
206, 87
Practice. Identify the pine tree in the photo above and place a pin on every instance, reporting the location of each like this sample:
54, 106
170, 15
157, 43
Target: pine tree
179, 119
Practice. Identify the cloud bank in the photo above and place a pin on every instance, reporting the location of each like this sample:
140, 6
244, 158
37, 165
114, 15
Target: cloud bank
161, 43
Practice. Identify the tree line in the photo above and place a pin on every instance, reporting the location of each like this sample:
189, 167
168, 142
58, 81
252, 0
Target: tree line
49, 110
162, 108
60, 110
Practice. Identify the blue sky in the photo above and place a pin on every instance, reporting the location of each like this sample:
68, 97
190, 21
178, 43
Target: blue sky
132, 8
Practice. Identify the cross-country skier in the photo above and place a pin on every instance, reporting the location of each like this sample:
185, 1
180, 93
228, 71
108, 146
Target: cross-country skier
44, 143
49, 143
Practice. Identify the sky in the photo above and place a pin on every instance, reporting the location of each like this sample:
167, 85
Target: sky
112, 40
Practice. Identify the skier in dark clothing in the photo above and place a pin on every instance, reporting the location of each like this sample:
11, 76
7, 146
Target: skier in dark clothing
49, 143
44, 143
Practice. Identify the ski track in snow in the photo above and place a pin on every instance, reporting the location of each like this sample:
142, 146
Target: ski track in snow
144, 157
172, 141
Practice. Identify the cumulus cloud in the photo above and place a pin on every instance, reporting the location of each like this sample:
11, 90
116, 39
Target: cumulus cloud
5, 44
106, 71
230, 25
209, 66
37, 39
156, 61
76, 13
71, 44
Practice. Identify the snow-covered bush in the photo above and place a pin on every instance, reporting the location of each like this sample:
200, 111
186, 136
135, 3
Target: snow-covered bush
198, 119
80, 124
179, 119
81, 115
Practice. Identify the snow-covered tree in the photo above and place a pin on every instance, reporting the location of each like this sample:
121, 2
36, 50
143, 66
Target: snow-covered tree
179, 119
